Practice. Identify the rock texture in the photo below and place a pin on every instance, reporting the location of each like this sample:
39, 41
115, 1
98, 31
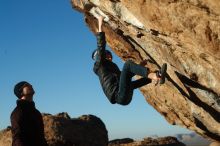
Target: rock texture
215, 144
5, 137
61, 130
182, 33
120, 142
164, 141
192, 139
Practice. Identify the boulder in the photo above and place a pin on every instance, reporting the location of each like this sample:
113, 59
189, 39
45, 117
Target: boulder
185, 34
61, 130
163, 141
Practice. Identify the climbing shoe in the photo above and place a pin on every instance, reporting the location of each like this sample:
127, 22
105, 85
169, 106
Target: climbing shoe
162, 73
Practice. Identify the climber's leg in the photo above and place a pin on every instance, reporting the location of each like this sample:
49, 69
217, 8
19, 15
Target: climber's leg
135, 69
125, 97
125, 84
140, 82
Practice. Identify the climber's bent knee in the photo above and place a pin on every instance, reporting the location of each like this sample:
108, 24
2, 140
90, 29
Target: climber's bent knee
123, 100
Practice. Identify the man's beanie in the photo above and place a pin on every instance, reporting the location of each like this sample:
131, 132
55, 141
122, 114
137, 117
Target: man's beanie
109, 53
18, 88
94, 53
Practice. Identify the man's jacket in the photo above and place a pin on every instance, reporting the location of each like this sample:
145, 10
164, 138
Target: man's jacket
107, 71
27, 125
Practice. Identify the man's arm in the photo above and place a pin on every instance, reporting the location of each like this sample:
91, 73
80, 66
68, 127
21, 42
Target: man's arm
16, 121
100, 21
101, 42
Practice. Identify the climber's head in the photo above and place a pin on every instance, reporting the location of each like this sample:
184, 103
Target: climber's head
108, 55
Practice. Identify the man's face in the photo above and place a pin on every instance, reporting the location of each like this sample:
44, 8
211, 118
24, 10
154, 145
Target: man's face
108, 57
28, 90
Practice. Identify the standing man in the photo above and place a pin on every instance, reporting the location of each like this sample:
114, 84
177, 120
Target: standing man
118, 85
26, 120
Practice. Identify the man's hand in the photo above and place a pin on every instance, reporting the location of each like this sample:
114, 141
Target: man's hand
100, 21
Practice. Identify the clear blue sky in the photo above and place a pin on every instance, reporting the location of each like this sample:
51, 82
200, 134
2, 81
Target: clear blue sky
47, 43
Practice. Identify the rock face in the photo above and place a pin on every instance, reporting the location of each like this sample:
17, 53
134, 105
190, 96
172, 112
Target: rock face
164, 141
5, 137
182, 33
61, 130
215, 144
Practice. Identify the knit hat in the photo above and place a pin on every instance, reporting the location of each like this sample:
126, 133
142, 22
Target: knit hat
95, 54
18, 88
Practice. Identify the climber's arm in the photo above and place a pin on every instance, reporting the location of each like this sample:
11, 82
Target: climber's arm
100, 21
101, 42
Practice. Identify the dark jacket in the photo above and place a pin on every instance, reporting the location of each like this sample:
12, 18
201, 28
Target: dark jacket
107, 71
27, 125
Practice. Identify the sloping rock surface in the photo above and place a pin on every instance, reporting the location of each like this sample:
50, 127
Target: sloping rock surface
182, 33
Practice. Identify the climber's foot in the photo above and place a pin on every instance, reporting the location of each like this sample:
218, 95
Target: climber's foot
162, 73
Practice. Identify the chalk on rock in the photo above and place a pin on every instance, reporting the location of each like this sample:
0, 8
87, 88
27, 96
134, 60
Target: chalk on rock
95, 11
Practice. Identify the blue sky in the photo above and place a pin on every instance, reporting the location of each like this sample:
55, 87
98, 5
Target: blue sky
47, 43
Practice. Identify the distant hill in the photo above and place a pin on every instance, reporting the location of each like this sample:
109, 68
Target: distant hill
193, 139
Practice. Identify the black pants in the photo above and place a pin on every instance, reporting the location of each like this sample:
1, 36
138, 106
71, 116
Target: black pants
126, 85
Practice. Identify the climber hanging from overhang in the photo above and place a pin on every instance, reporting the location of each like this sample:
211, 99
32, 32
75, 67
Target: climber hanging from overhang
118, 85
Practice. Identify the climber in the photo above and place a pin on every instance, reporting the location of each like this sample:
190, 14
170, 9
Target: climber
26, 120
118, 85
